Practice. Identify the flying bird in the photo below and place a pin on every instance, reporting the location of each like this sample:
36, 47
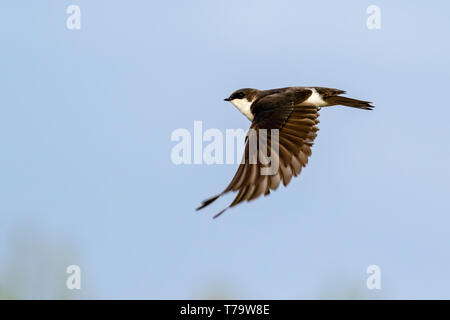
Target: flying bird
294, 112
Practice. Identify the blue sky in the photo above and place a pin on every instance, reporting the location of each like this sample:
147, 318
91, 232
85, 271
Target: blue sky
85, 129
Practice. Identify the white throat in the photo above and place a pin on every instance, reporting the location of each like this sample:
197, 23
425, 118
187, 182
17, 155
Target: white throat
243, 106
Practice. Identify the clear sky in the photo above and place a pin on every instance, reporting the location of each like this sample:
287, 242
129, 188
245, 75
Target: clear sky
85, 123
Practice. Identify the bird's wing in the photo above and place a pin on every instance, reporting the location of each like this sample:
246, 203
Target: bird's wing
297, 127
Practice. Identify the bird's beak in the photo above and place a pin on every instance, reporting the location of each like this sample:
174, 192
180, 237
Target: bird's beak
227, 99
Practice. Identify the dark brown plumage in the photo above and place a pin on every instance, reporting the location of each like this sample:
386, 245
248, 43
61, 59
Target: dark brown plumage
296, 117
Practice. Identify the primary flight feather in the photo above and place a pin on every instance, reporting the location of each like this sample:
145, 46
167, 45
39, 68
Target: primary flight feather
294, 113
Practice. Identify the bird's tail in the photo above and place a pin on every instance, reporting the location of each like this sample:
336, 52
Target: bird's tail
349, 102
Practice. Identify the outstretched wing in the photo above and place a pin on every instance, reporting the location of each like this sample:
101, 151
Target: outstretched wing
297, 128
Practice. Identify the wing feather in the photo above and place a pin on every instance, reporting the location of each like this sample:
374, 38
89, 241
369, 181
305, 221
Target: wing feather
297, 127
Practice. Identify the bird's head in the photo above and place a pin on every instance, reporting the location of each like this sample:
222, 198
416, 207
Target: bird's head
242, 94
243, 99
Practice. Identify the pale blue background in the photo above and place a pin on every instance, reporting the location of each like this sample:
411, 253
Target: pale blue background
85, 124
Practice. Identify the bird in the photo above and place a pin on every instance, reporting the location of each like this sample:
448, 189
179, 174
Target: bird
294, 113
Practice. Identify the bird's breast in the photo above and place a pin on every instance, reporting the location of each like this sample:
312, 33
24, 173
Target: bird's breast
244, 106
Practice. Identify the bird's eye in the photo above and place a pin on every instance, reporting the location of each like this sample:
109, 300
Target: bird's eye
240, 95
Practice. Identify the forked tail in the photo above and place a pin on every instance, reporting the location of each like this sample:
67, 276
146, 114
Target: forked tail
349, 102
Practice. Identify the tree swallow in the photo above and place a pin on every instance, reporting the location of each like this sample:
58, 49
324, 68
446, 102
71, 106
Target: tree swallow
294, 112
